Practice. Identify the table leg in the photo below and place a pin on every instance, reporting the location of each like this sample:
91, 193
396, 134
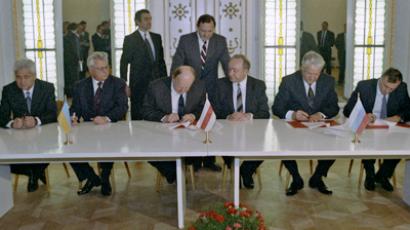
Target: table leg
181, 192
6, 197
237, 178
406, 185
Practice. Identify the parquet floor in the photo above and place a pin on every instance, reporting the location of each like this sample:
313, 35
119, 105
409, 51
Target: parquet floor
136, 205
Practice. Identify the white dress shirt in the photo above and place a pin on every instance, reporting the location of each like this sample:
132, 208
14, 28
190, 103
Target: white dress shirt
289, 114
175, 98
242, 84
377, 107
146, 34
201, 43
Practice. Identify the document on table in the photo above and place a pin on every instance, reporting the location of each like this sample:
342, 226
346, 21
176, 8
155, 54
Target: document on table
314, 125
176, 125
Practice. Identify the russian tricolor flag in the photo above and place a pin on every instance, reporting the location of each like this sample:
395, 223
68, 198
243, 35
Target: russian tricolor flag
358, 118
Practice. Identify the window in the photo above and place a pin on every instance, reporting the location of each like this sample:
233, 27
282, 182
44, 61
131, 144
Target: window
39, 37
368, 39
280, 42
123, 24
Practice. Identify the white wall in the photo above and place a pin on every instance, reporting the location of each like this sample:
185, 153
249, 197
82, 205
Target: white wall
91, 11
7, 53
314, 12
401, 50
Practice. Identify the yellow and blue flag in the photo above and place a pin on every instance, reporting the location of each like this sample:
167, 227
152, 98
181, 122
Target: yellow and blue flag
64, 119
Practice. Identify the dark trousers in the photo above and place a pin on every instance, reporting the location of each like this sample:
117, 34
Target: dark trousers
28, 169
168, 168
322, 168
85, 171
247, 167
386, 170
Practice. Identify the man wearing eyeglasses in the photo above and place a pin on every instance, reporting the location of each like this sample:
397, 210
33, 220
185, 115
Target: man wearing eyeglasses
384, 98
100, 99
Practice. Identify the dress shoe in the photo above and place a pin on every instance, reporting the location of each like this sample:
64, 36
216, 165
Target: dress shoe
317, 183
295, 186
385, 183
89, 185
106, 188
32, 184
213, 167
369, 183
171, 177
247, 180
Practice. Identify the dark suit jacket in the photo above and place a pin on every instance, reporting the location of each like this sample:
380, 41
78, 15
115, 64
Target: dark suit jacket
256, 101
100, 43
114, 102
292, 96
398, 103
341, 48
188, 53
307, 43
43, 104
142, 70
329, 41
157, 101
72, 57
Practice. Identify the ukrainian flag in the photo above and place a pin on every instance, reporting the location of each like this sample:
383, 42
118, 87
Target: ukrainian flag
64, 119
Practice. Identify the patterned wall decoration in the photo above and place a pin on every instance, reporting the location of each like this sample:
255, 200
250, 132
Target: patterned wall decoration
231, 21
181, 20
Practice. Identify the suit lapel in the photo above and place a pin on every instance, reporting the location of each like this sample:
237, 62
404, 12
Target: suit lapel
372, 95
90, 96
155, 43
21, 101
196, 53
36, 97
249, 93
300, 87
167, 102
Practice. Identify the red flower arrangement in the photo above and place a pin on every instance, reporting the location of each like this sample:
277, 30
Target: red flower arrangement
227, 217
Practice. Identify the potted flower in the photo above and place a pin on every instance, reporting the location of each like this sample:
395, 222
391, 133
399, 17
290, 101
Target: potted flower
227, 217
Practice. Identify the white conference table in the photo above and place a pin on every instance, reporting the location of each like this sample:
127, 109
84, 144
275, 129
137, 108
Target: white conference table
142, 140
136, 140
276, 139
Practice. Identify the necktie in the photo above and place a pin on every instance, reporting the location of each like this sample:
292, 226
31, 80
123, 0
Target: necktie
311, 96
203, 54
28, 101
97, 98
149, 47
239, 105
383, 111
323, 39
181, 106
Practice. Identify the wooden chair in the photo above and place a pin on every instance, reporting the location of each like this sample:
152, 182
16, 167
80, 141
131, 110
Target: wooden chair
361, 172
160, 178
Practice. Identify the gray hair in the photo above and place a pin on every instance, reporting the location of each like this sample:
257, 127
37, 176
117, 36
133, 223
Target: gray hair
312, 58
96, 56
25, 63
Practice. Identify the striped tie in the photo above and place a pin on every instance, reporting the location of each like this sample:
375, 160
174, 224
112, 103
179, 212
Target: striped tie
203, 54
239, 105
28, 101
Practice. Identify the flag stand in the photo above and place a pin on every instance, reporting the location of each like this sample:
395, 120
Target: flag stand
207, 140
356, 139
68, 140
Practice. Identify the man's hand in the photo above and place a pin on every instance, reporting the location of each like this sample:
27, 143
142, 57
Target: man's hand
127, 91
395, 118
372, 117
17, 123
100, 120
74, 119
188, 117
238, 116
29, 122
171, 118
300, 115
316, 117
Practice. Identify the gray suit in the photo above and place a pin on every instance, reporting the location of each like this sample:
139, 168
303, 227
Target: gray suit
158, 103
188, 53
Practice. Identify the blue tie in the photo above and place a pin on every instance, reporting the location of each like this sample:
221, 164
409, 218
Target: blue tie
28, 101
181, 106
383, 112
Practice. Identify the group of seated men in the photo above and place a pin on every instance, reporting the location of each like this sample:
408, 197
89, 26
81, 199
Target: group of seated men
306, 95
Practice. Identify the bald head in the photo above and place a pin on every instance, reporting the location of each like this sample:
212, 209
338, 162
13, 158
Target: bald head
182, 78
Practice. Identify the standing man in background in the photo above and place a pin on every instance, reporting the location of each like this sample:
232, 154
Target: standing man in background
143, 51
203, 50
326, 39
341, 54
